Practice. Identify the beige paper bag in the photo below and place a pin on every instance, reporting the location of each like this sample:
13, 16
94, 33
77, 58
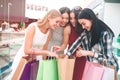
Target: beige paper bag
65, 69
20, 67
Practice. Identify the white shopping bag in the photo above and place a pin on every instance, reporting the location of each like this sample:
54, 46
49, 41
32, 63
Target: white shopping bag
109, 73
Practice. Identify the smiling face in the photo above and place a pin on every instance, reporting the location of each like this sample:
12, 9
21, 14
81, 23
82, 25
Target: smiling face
86, 24
65, 19
72, 19
54, 22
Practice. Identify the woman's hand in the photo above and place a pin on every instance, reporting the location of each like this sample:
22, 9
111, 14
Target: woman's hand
56, 48
52, 54
80, 48
80, 53
66, 57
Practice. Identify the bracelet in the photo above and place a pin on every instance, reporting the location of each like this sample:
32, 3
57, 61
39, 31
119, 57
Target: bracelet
32, 51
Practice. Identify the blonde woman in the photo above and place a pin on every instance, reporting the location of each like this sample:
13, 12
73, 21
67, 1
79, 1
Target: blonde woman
36, 36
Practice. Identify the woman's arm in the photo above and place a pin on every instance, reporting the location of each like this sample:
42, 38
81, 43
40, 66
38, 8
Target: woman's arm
29, 41
106, 44
65, 37
106, 47
77, 43
63, 46
80, 53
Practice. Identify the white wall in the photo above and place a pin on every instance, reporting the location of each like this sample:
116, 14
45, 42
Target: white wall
51, 4
112, 16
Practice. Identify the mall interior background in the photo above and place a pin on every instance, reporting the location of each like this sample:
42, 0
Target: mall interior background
27, 11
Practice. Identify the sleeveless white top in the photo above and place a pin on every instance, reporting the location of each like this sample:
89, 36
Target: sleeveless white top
39, 37
38, 43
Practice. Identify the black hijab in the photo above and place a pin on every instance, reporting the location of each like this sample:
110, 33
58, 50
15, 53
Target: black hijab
98, 26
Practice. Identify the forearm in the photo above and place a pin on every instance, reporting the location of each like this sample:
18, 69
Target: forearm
41, 52
63, 47
73, 47
85, 53
36, 52
90, 53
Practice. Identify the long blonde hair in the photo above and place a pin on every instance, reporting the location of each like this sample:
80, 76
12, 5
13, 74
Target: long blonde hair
51, 14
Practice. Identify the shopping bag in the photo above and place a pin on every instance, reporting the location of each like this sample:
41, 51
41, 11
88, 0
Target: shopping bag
65, 69
34, 70
93, 71
20, 67
28, 72
40, 70
48, 70
109, 73
79, 68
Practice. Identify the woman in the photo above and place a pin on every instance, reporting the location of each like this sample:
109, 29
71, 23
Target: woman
60, 36
96, 40
36, 36
74, 34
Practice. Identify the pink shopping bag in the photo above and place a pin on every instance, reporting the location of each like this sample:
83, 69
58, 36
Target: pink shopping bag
93, 71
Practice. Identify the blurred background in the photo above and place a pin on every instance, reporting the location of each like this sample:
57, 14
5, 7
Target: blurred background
15, 15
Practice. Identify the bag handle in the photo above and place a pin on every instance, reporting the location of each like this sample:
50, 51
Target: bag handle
31, 55
49, 57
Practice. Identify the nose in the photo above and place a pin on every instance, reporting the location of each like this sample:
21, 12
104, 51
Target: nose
83, 26
72, 21
64, 21
57, 24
